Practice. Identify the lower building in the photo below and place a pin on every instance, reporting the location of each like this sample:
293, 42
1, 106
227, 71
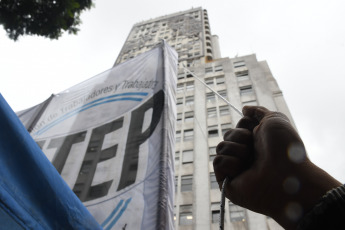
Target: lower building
202, 120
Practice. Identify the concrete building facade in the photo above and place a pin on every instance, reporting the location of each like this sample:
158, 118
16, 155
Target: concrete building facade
202, 117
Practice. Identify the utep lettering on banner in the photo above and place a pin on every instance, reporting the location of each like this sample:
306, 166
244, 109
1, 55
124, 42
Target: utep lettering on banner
95, 155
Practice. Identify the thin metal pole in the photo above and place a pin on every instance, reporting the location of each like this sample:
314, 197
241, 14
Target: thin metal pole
222, 203
236, 109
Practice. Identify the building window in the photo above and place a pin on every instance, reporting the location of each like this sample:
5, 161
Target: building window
215, 211
251, 103
178, 136
237, 213
180, 87
190, 85
209, 81
189, 75
179, 118
208, 70
222, 93
186, 215
212, 152
188, 135
179, 101
213, 181
224, 110
246, 90
213, 131
218, 68
177, 158
220, 80
187, 156
180, 76
210, 97
189, 100
243, 75
239, 64
186, 183
225, 128
176, 183
189, 116
211, 112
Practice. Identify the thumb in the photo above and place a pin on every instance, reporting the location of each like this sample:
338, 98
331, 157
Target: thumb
255, 112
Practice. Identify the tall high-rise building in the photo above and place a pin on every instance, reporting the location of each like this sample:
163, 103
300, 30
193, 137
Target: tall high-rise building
202, 117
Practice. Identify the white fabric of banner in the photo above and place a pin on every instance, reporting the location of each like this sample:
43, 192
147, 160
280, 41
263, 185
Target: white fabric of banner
112, 140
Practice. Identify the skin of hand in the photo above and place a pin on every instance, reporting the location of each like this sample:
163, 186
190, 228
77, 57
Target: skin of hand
269, 171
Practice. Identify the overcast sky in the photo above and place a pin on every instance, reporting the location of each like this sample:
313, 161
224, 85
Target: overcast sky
302, 41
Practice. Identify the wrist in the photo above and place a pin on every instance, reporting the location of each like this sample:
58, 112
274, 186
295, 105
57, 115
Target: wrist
328, 213
300, 193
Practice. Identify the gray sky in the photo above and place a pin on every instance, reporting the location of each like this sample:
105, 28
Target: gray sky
302, 41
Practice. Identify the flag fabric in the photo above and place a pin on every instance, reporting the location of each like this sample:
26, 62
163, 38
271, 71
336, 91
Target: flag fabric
112, 140
32, 194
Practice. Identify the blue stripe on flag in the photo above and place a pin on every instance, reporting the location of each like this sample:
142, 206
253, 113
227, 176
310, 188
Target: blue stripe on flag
83, 108
117, 95
119, 215
112, 213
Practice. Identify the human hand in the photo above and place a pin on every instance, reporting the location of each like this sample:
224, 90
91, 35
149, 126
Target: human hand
268, 168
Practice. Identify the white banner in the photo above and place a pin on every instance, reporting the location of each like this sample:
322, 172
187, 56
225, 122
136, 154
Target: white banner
112, 140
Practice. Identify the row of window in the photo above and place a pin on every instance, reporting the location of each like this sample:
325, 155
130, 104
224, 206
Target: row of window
187, 182
242, 75
189, 100
212, 69
219, 68
188, 117
187, 157
212, 81
215, 81
184, 75
188, 86
207, 70
211, 96
222, 111
188, 135
239, 64
211, 113
237, 213
213, 131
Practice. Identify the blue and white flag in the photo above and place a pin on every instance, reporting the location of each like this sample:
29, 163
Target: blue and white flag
32, 194
112, 140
